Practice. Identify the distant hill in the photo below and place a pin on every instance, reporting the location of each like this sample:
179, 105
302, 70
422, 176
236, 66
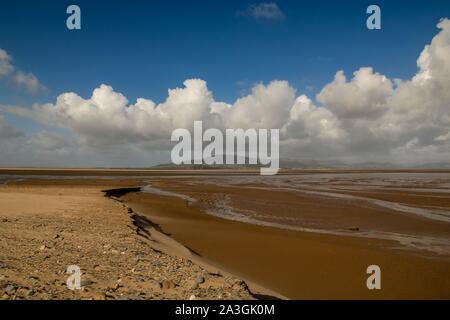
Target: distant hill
311, 164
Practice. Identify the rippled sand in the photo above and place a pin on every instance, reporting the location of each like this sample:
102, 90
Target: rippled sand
313, 235
412, 209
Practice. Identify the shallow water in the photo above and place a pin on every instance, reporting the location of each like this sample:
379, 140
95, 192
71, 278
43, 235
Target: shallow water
343, 189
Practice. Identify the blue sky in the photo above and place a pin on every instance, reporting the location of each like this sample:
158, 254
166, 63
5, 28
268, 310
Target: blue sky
142, 48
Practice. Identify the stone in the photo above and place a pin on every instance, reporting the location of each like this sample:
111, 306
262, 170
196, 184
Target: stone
99, 296
3, 283
11, 289
167, 284
155, 284
200, 280
87, 282
117, 286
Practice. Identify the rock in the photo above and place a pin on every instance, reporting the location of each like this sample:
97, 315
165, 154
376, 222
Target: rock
194, 286
99, 296
240, 285
21, 292
193, 297
167, 284
30, 292
43, 247
200, 280
155, 284
353, 229
87, 282
11, 289
117, 286
3, 284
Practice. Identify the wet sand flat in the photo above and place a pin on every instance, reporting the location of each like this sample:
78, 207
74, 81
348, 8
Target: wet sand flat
302, 265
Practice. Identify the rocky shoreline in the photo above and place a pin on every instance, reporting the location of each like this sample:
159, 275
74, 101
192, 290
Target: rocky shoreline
44, 229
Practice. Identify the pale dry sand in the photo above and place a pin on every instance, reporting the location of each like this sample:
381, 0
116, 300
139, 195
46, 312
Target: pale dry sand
46, 226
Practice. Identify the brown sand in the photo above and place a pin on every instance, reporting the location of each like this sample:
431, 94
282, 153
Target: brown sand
296, 264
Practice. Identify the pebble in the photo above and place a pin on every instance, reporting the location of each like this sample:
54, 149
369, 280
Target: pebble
199, 280
167, 284
99, 296
3, 283
87, 282
10, 289
117, 286
155, 284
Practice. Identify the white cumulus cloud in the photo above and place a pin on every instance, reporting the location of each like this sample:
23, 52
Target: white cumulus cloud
27, 81
367, 117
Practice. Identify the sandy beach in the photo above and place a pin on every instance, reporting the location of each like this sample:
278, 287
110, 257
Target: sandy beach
307, 235
47, 225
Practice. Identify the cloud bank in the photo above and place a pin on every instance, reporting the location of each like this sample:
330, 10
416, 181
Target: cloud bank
365, 117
